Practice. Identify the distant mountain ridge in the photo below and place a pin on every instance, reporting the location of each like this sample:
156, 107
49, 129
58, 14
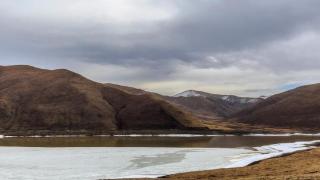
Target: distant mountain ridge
210, 105
228, 98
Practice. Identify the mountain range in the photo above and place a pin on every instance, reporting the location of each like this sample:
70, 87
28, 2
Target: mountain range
60, 101
212, 105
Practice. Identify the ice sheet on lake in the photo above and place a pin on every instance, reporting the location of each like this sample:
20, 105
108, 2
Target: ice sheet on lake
269, 151
97, 163
114, 162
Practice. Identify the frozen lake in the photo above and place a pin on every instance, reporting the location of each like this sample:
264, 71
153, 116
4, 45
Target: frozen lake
98, 163
114, 157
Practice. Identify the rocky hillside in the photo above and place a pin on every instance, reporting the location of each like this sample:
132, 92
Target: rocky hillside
59, 100
298, 108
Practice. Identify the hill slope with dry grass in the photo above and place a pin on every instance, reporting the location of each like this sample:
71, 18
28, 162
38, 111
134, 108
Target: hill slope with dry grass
298, 109
39, 99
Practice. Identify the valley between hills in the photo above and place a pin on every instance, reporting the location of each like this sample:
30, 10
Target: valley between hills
37, 101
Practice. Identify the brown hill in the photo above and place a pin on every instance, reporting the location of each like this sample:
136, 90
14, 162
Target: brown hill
298, 108
127, 89
59, 100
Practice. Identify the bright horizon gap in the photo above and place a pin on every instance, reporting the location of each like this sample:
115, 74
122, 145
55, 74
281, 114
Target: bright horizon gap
289, 87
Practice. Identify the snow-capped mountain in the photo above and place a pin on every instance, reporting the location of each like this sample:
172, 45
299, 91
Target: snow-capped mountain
242, 100
188, 93
213, 105
227, 98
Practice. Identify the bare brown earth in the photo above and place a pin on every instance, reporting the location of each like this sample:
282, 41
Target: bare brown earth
127, 89
298, 166
298, 108
33, 99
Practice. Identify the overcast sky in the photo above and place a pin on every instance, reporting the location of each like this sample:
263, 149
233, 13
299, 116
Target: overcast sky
247, 47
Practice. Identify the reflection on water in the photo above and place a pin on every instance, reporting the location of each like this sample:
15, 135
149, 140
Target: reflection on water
159, 159
216, 141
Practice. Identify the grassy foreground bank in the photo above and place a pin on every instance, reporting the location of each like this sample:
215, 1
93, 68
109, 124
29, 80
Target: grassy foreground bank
301, 165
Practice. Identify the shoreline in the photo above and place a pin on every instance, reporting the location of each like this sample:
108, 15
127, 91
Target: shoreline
245, 159
264, 153
275, 150
302, 164
121, 133
163, 135
155, 132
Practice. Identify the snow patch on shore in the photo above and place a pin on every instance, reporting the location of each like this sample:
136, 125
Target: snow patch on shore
284, 134
270, 151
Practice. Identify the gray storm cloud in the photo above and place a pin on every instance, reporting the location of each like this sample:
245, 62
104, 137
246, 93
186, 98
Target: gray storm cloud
215, 45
